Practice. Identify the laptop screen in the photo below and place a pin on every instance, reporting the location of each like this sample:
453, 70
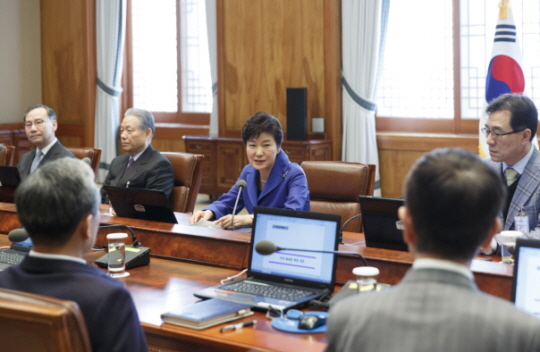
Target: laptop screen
382, 227
295, 229
526, 281
140, 203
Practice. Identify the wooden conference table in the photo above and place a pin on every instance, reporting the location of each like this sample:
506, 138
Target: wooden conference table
186, 259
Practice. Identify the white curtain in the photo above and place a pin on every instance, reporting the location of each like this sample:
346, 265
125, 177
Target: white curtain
110, 34
363, 29
212, 49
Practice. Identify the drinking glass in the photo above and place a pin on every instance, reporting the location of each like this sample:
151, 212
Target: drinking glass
117, 254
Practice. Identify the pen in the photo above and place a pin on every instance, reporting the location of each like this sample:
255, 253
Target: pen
237, 326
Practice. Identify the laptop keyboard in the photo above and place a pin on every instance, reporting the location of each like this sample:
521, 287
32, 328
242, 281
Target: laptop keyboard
11, 257
272, 291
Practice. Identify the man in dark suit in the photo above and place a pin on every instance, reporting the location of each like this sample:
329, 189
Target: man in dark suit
141, 166
63, 228
452, 202
40, 125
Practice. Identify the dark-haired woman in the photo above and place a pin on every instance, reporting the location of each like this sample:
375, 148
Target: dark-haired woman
272, 180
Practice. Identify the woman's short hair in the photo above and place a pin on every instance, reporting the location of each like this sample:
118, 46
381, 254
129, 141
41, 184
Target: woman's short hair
262, 122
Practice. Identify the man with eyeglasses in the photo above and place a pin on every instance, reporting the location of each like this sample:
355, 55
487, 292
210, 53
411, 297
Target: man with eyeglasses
510, 130
40, 126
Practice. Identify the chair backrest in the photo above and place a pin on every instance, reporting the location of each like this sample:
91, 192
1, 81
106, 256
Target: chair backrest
187, 170
94, 154
335, 187
7, 155
31, 322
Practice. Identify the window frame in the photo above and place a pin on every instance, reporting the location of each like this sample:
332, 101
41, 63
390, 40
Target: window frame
456, 125
126, 102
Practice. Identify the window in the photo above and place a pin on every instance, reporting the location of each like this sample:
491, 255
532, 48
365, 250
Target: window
168, 62
436, 59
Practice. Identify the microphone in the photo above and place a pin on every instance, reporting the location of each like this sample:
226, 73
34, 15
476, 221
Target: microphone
266, 247
345, 224
241, 184
136, 242
18, 235
86, 160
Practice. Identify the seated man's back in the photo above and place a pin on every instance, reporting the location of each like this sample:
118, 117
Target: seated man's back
452, 202
58, 205
431, 311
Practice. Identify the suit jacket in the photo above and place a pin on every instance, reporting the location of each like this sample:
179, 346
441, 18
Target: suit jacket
151, 170
431, 310
108, 309
286, 188
57, 151
527, 195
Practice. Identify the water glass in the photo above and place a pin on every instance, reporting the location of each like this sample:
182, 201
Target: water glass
117, 254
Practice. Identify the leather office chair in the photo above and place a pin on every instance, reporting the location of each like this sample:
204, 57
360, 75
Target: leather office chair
31, 322
335, 187
187, 170
94, 154
7, 155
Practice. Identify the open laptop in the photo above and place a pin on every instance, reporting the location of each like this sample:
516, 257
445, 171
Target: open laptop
312, 274
526, 280
138, 203
15, 253
9, 180
382, 227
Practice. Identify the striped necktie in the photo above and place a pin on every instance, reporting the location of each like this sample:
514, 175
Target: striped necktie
131, 160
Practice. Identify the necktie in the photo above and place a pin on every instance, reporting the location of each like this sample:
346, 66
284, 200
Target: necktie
511, 176
37, 160
131, 160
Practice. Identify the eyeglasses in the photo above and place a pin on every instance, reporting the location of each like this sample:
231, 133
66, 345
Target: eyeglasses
36, 123
498, 135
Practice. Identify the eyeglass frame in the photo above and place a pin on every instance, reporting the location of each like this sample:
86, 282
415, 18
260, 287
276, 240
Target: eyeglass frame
496, 135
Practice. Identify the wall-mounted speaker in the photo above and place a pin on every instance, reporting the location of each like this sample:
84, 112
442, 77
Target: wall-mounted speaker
297, 114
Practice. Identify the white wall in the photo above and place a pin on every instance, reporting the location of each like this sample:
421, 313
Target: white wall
20, 58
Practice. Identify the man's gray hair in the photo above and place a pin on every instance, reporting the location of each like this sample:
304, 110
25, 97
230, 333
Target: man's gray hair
146, 119
53, 200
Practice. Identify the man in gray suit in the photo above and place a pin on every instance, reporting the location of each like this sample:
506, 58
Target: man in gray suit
40, 125
510, 130
452, 202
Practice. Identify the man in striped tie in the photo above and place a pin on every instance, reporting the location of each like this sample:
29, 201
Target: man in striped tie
509, 130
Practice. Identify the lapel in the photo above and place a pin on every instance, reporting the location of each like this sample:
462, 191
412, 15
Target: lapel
277, 175
137, 166
25, 168
51, 155
528, 182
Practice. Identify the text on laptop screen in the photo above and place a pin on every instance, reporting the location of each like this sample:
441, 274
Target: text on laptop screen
295, 232
527, 280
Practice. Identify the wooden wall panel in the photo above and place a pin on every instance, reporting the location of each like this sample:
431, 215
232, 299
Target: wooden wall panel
267, 46
168, 145
397, 153
69, 63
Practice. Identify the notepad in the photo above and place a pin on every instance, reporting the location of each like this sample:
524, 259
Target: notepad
207, 313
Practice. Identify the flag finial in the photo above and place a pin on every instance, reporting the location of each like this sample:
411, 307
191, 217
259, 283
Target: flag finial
503, 9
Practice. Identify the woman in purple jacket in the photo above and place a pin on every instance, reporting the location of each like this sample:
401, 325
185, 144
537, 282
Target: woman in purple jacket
272, 180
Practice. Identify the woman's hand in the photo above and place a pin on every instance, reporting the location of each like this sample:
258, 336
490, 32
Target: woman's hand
201, 214
239, 221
